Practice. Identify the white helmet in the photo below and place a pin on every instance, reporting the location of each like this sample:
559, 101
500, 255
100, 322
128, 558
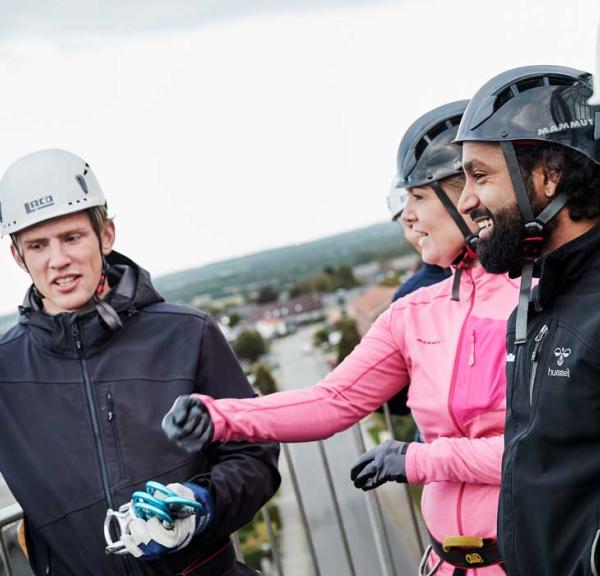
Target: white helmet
44, 185
397, 199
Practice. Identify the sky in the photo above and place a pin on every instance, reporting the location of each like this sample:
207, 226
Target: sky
219, 128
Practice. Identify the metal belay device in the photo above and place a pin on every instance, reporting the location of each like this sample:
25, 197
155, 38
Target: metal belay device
159, 506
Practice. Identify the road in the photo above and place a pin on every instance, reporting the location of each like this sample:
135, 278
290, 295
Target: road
298, 369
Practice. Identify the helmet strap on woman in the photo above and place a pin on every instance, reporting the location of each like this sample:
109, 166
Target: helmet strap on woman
469, 252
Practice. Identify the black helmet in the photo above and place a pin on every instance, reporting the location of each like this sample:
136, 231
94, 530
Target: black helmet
426, 155
547, 104
542, 103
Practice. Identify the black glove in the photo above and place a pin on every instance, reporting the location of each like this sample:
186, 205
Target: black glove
188, 424
379, 465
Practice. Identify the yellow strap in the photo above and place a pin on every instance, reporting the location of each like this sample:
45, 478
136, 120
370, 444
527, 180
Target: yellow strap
21, 538
462, 542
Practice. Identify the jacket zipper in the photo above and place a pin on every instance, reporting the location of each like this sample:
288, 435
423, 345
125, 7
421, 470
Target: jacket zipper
451, 393
535, 357
93, 414
472, 354
111, 416
461, 338
511, 449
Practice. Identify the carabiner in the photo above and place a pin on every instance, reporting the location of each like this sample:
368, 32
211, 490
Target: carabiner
145, 511
423, 563
173, 502
147, 506
122, 516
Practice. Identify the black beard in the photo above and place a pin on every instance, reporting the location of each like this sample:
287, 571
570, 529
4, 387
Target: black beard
501, 252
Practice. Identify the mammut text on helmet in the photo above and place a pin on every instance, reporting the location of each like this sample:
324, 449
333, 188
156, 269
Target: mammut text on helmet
581, 123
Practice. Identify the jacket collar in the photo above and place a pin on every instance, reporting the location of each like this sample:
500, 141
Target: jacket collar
485, 283
131, 290
563, 267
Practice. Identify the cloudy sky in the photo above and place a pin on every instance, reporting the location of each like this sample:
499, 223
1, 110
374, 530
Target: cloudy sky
222, 127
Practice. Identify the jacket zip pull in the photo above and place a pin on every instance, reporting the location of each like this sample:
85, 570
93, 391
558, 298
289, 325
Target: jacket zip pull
472, 354
110, 406
537, 347
77, 337
538, 342
111, 416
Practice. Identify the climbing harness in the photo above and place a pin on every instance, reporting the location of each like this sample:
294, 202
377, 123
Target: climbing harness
463, 553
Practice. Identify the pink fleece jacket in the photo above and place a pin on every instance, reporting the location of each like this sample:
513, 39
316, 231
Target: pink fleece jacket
452, 354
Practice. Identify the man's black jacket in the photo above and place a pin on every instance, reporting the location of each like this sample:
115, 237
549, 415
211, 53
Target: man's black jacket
549, 513
80, 427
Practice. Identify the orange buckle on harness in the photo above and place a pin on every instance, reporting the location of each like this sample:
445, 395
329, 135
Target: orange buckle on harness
462, 542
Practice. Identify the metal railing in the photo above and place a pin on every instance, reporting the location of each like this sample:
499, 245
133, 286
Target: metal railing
11, 557
10, 551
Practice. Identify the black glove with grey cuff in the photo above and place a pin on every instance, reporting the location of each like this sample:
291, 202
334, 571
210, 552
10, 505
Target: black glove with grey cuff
381, 464
188, 424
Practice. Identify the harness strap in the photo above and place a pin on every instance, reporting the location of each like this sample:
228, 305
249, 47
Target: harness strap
217, 562
467, 553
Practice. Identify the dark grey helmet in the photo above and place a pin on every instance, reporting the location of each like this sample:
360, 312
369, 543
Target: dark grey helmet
426, 153
542, 103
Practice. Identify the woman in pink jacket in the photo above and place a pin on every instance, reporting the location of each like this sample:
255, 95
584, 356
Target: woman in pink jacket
447, 341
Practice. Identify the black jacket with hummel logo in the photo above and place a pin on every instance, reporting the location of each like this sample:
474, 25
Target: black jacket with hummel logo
549, 515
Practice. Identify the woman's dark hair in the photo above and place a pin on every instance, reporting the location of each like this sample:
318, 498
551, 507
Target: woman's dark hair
579, 176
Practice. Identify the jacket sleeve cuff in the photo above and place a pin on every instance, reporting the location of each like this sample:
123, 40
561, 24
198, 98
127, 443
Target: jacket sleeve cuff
415, 449
218, 421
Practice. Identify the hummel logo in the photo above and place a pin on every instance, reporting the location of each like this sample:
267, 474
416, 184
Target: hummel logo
562, 354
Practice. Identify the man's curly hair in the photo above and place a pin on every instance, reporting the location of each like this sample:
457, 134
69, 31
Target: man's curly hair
579, 176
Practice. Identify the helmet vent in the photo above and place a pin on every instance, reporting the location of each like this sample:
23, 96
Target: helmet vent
433, 133
529, 83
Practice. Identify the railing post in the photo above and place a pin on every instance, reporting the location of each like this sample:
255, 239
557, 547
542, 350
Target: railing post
302, 510
237, 546
336, 507
380, 530
272, 540
8, 515
411, 506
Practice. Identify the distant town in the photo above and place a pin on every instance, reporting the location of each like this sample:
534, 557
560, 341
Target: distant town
276, 290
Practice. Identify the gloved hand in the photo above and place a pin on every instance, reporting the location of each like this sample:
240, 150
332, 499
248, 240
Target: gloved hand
188, 424
150, 539
381, 464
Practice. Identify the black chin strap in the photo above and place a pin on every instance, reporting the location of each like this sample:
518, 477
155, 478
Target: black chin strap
104, 309
533, 238
469, 252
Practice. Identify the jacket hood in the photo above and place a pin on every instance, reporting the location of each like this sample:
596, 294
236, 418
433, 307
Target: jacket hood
131, 291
